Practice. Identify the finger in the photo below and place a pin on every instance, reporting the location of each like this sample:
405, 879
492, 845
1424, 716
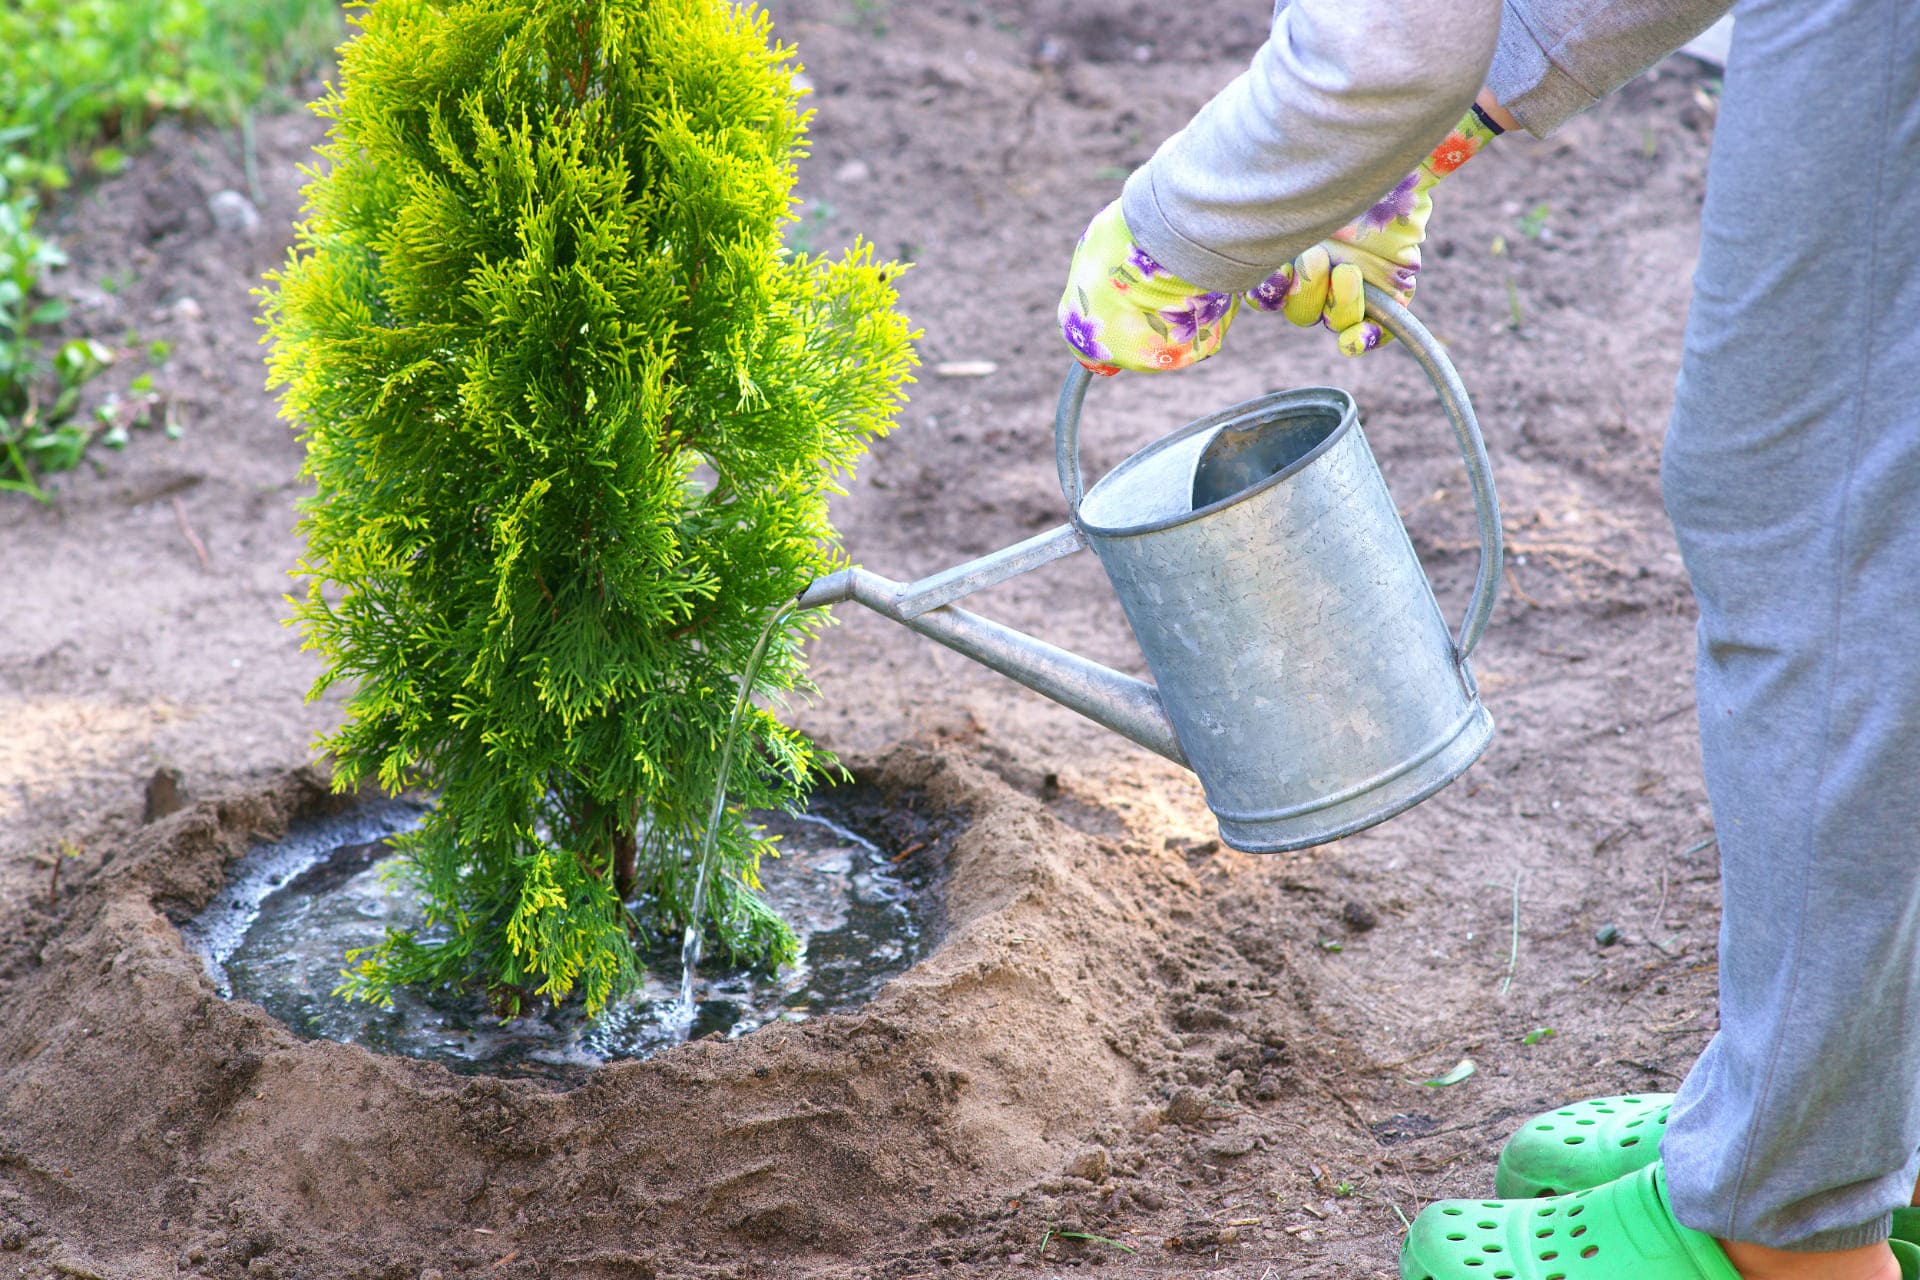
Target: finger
1346, 297
1357, 340
1311, 272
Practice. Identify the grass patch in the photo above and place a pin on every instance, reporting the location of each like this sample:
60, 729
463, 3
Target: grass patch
80, 83
81, 75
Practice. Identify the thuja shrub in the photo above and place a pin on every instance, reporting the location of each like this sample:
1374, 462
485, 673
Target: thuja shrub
572, 413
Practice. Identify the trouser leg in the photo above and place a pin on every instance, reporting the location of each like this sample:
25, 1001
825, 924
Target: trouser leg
1792, 474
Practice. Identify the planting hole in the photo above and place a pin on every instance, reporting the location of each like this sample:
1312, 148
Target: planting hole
280, 929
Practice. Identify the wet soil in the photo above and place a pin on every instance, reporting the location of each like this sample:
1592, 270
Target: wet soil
1132, 1049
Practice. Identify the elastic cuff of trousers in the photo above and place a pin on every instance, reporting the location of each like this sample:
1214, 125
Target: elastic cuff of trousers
1844, 1237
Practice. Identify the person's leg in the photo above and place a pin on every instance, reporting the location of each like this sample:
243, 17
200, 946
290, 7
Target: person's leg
1792, 474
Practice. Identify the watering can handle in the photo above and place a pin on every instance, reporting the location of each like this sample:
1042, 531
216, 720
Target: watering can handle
1422, 345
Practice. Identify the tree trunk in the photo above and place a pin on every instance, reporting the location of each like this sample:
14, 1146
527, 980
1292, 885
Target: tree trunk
626, 861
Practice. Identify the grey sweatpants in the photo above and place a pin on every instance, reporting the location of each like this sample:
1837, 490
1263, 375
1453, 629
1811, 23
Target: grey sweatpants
1792, 474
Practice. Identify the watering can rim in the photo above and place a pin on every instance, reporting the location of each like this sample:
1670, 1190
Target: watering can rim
1427, 351
1329, 397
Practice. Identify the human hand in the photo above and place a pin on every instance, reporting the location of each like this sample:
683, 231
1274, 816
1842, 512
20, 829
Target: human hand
1123, 310
1381, 247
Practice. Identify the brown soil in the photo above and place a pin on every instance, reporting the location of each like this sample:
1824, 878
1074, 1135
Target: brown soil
1208, 1060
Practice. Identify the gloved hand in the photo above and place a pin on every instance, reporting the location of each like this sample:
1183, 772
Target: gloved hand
1381, 247
1123, 310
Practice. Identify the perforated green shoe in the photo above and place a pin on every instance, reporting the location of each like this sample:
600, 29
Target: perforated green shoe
1582, 1145
1588, 1144
1624, 1228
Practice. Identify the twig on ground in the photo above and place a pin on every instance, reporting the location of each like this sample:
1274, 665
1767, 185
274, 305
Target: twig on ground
67, 849
193, 539
1699, 845
1651, 1068
1513, 952
250, 159
1519, 590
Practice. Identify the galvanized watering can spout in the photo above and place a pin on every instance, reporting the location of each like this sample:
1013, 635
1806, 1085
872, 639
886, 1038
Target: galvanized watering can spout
1129, 707
1301, 666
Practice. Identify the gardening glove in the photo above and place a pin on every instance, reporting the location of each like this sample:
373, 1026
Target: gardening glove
1123, 310
1381, 247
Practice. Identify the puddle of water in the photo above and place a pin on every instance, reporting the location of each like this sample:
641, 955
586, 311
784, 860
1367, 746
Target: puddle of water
278, 934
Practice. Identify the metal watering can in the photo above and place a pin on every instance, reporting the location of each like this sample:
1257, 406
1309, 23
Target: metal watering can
1301, 665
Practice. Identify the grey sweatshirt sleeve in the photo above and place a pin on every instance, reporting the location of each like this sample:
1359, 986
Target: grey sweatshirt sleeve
1342, 101
1346, 96
1559, 57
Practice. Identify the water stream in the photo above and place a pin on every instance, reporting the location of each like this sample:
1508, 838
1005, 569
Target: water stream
681, 1017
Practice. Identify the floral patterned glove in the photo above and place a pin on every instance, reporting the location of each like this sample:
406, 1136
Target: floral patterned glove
1123, 310
1380, 247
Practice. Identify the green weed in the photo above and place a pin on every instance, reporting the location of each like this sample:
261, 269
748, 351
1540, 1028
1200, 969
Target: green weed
1051, 1234
81, 74
80, 82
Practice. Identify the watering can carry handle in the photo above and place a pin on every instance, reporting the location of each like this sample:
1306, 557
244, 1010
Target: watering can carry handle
1398, 321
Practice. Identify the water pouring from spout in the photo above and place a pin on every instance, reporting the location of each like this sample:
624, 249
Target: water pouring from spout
680, 1017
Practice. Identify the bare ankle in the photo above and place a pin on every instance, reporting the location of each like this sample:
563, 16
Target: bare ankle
1757, 1262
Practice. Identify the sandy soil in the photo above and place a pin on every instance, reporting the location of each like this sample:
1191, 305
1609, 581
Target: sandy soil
1210, 1060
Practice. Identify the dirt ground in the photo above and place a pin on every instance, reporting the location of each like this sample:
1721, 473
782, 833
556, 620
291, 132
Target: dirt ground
1132, 1049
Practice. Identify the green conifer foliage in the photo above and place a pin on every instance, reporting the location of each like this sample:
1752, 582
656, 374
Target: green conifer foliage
573, 415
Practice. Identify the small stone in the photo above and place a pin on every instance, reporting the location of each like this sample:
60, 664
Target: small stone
233, 213
1187, 1106
852, 171
965, 369
1607, 934
1090, 1164
262, 1268
1052, 52
1358, 916
166, 794
184, 308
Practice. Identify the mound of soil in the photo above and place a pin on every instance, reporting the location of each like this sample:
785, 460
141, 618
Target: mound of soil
1132, 1049
1098, 1031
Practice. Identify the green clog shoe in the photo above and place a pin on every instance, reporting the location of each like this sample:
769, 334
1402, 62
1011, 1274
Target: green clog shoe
1587, 1144
1623, 1228
1582, 1145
